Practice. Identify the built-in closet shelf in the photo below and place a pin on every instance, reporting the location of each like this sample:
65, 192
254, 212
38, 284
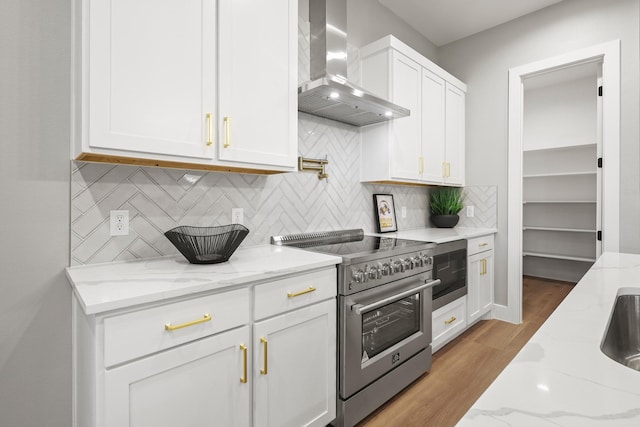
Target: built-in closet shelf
570, 230
562, 148
562, 257
559, 175
539, 202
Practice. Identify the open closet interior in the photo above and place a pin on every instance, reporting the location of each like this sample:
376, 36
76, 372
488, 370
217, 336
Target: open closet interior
562, 130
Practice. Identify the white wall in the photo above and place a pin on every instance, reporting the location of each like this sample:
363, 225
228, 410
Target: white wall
368, 20
483, 61
560, 115
35, 309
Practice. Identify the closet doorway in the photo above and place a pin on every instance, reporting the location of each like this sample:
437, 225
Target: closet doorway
562, 183
570, 199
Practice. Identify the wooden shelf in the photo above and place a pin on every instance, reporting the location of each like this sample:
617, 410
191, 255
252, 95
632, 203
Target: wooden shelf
559, 175
556, 256
570, 230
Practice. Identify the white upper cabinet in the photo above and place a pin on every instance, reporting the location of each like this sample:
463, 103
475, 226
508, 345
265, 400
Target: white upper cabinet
257, 62
151, 76
426, 147
454, 135
207, 84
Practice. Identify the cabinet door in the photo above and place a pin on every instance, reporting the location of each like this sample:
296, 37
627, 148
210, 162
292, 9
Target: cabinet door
196, 384
151, 75
454, 135
479, 285
433, 119
474, 274
486, 284
295, 368
405, 149
258, 120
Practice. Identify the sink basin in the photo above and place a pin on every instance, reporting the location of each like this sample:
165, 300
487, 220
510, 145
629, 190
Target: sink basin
621, 340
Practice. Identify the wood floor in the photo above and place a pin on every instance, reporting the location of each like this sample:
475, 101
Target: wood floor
464, 368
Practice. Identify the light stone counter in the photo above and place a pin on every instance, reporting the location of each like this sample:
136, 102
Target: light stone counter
441, 235
109, 286
560, 377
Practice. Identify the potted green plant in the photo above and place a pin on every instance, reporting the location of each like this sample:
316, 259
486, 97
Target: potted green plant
445, 203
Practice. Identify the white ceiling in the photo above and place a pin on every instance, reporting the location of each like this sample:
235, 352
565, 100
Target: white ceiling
445, 21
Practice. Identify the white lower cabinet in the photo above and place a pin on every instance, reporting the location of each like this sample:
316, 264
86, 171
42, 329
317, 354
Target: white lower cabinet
197, 384
295, 368
479, 278
448, 322
210, 360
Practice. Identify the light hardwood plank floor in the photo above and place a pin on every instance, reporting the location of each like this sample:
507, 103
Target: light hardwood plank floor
465, 367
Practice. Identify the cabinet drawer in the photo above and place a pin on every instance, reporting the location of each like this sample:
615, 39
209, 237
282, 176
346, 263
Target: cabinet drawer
146, 331
448, 321
479, 244
288, 294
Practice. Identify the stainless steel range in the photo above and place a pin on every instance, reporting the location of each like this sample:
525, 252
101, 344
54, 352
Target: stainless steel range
384, 315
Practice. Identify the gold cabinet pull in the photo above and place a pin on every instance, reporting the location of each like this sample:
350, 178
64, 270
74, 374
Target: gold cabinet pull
209, 129
483, 244
297, 294
264, 362
448, 169
444, 169
450, 321
170, 327
227, 131
421, 165
243, 348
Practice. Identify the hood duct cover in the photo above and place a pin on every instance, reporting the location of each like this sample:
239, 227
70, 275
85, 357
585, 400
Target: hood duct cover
328, 94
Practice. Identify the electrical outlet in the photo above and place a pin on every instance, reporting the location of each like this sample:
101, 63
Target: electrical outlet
119, 223
404, 211
470, 211
237, 216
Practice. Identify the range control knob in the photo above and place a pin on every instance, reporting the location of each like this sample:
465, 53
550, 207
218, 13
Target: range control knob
358, 276
374, 273
398, 267
416, 262
406, 263
386, 269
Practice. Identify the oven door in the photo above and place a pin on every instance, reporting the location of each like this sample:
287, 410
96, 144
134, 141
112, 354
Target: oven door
381, 328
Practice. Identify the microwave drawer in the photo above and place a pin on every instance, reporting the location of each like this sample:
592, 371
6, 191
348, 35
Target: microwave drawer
479, 244
149, 330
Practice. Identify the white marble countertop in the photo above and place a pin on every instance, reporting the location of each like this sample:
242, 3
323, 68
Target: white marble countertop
441, 235
560, 377
109, 286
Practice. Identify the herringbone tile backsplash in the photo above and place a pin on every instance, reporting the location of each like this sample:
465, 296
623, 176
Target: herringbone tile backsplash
159, 199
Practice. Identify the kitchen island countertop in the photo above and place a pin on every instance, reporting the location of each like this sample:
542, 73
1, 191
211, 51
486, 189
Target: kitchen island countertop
109, 286
560, 377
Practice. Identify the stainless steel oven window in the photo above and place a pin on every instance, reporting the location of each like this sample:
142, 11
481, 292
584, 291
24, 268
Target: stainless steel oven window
451, 269
388, 325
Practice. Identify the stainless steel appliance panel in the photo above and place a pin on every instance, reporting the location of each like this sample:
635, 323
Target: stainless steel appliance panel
450, 266
402, 311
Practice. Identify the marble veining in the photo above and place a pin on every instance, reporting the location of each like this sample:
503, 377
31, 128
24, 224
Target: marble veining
561, 377
110, 286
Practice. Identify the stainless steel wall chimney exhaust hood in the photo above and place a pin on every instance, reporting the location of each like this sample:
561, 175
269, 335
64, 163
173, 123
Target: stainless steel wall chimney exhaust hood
328, 94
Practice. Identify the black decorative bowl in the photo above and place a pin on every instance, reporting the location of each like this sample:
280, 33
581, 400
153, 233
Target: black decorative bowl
207, 245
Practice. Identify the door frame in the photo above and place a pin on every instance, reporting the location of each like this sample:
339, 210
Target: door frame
609, 55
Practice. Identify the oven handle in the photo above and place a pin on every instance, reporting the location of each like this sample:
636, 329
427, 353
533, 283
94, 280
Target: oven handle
359, 308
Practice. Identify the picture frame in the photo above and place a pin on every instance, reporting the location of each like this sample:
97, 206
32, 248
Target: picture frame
385, 213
